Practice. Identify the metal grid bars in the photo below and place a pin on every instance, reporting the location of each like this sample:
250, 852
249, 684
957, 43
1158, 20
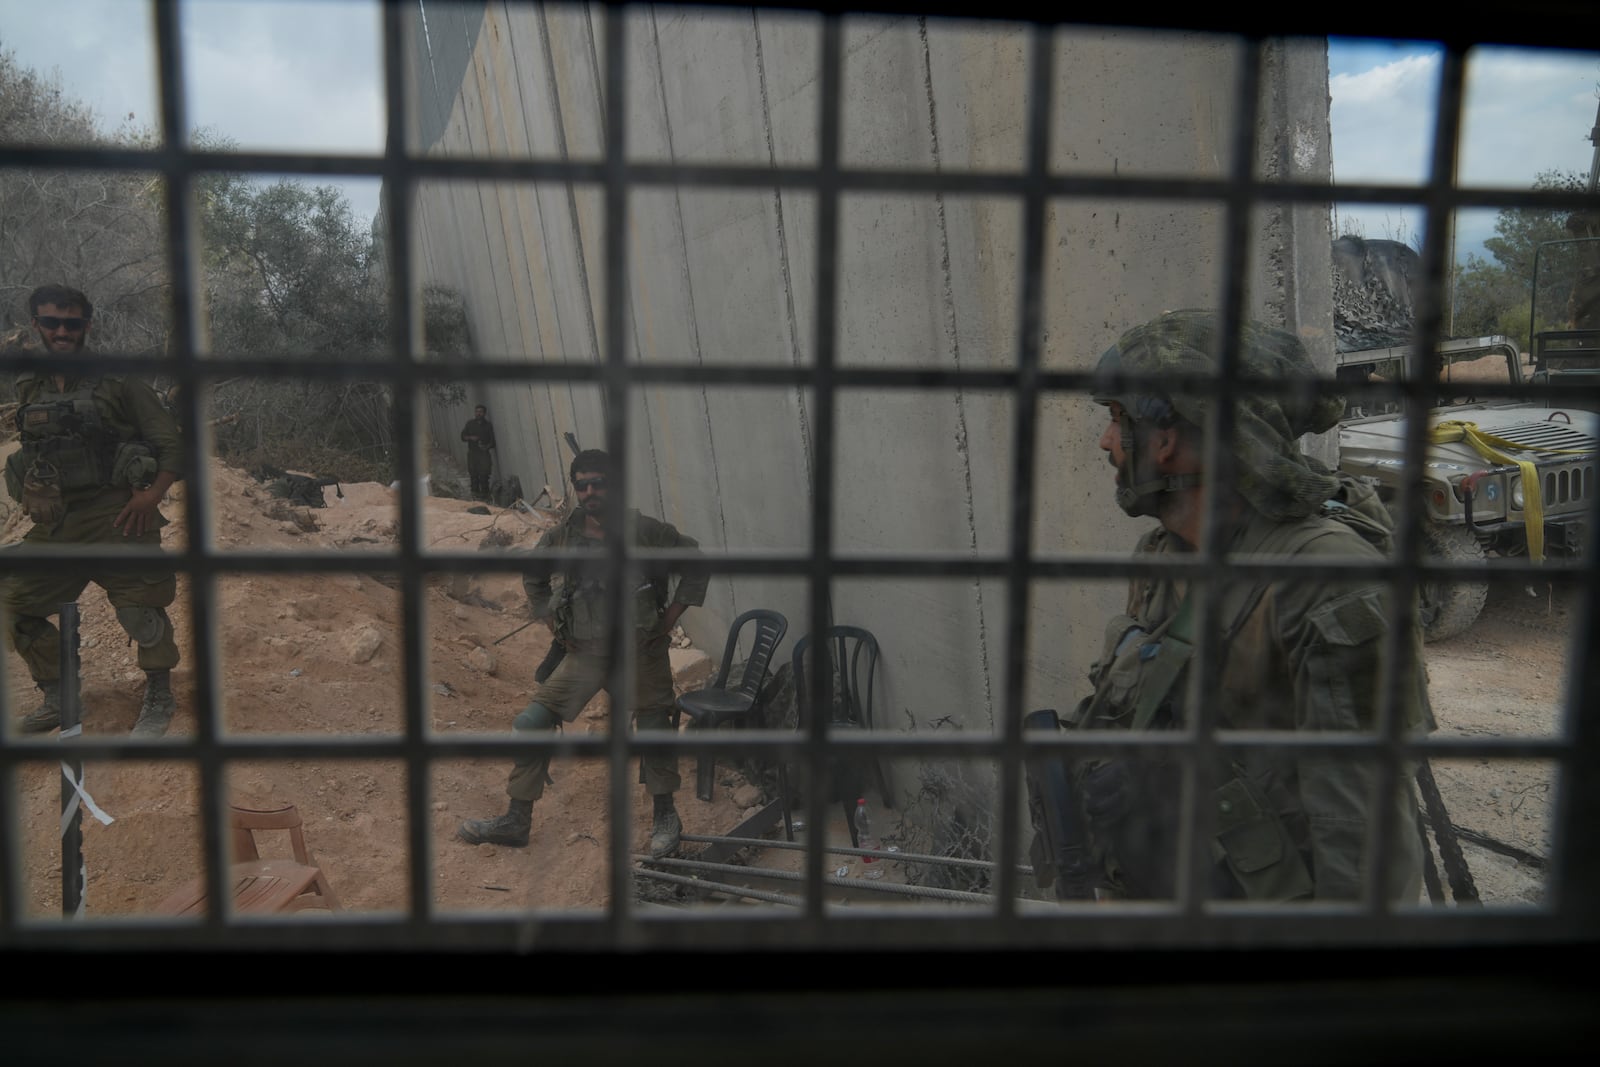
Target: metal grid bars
1010, 922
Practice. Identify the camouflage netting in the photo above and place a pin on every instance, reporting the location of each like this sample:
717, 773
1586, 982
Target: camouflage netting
1372, 293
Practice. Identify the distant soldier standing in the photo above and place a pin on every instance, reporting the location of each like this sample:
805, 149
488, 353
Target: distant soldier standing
96, 457
479, 436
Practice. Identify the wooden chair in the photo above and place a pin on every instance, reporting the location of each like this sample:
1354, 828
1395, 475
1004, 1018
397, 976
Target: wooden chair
263, 887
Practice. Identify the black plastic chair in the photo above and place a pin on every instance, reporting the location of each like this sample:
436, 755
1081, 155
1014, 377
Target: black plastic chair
852, 664
718, 704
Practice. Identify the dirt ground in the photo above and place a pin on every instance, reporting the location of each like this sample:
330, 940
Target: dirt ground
320, 655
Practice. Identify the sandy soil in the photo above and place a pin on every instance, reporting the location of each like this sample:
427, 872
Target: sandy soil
306, 654
310, 655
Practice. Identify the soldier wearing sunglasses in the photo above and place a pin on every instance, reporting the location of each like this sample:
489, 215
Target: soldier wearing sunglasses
576, 615
97, 454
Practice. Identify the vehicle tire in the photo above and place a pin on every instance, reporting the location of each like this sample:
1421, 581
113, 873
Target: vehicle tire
1449, 607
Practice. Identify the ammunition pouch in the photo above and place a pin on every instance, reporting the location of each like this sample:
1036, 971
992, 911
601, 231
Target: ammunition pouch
41, 494
16, 470
1138, 826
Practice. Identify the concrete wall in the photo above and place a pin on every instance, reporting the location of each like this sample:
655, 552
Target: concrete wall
726, 275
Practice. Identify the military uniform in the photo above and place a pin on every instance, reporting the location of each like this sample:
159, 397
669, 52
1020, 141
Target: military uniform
101, 437
577, 612
1298, 655
479, 462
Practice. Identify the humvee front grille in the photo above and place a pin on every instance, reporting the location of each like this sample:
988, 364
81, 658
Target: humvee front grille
1570, 485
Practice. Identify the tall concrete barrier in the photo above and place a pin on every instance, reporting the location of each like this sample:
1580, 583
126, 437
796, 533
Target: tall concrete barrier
720, 275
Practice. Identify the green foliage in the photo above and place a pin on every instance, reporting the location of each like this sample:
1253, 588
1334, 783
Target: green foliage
1497, 297
101, 232
446, 338
287, 273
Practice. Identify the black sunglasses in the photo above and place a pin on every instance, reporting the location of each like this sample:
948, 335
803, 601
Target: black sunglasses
50, 322
597, 482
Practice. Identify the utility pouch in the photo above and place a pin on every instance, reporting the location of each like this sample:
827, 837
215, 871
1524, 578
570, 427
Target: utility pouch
133, 466
584, 612
1254, 845
41, 494
1115, 675
15, 470
646, 608
1142, 671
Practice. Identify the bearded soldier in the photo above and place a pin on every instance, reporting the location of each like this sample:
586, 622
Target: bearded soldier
1298, 654
96, 457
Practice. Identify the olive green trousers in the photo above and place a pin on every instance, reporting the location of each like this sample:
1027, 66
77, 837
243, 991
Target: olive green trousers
30, 596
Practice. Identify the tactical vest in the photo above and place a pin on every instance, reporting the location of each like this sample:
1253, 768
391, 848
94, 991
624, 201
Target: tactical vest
580, 608
1139, 684
67, 433
63, 432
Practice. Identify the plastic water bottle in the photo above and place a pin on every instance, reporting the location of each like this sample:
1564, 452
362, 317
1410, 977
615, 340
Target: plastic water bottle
871, 866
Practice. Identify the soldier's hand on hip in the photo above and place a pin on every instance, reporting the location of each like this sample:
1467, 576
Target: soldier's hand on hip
141, 512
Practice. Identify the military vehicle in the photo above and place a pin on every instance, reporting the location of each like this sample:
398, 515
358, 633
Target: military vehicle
1477, 497
1569, 352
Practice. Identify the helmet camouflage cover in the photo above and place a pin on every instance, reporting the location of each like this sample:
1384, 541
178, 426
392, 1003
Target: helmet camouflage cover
1272, 474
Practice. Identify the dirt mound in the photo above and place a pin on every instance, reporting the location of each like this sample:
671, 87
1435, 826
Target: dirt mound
308, 654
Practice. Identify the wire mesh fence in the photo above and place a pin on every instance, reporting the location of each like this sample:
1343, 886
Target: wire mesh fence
962, 785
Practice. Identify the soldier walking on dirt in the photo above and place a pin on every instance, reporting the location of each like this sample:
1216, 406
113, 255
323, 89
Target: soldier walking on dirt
576, 615
97, 455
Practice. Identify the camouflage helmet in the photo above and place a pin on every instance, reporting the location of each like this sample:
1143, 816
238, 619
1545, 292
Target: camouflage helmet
1184, 343
1142, 407
1272, 474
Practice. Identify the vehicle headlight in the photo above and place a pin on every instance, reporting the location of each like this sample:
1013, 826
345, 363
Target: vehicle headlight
1516, 491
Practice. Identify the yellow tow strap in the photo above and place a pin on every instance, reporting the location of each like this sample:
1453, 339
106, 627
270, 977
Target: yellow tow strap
1493, 448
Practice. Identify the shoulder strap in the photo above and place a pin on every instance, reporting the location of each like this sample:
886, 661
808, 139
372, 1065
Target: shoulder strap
1168, 660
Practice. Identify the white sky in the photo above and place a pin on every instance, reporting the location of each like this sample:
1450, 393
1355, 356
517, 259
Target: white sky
304, 75
295, 75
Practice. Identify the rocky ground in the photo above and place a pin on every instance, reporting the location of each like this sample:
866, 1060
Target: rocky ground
320, 655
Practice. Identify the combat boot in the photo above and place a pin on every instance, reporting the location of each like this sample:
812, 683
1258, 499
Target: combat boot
47, 716
665, 833
155, 713
508, 829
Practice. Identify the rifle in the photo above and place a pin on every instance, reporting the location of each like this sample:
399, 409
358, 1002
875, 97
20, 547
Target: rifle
1061, 852
558, 651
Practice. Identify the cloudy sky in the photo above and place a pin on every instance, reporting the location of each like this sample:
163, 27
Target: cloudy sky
1526, 112
299, 75
304, 75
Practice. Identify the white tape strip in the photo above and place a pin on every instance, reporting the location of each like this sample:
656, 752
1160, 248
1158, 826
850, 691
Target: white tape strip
79, 793
75, 730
